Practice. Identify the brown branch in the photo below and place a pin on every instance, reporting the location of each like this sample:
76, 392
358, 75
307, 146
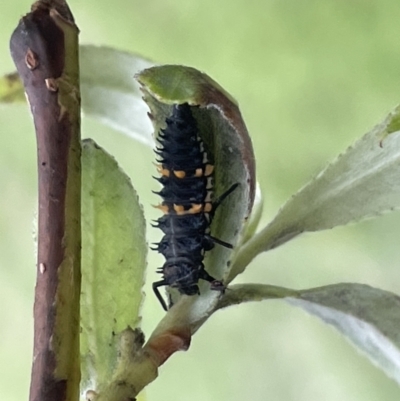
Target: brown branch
44, 47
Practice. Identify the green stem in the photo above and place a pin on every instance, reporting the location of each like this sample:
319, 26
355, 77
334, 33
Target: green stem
237, 294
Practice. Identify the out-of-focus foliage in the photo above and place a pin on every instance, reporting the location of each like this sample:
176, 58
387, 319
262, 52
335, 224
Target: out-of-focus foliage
310, 77
11, 90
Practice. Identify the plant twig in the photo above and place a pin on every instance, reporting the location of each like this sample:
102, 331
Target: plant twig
44, 47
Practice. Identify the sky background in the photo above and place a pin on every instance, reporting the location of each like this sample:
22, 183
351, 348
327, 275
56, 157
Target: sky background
310, 77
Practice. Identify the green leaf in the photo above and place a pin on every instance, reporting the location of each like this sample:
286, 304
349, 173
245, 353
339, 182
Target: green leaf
367, 316
113, 262
227, 143
240, 293
109, 92
362, 182
255, 216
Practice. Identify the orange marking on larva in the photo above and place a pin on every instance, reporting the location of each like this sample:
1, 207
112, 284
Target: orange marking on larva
163, 171
180, 174
198, 172
196, 208
208, 170
207, 207
163, 208
179, 209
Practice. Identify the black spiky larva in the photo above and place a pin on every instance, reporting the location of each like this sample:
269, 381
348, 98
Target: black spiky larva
186, 177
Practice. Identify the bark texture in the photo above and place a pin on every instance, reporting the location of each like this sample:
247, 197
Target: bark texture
44, 47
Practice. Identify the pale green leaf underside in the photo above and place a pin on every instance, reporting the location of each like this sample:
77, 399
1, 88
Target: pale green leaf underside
367, 316
113, 261
255, 216
248, 231
109, 92
362, 182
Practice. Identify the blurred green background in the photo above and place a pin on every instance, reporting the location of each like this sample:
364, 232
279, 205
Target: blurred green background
311, 77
